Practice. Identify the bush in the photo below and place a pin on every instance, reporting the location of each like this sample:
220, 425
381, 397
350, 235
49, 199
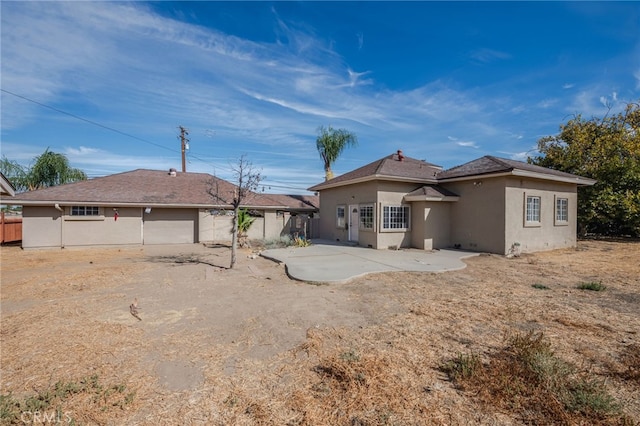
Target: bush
592, 286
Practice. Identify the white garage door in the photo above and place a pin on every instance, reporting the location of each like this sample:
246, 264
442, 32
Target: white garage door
170, 226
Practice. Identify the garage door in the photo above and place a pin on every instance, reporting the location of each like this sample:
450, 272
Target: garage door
170, 226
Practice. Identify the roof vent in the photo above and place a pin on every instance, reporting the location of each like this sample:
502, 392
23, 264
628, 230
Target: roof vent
400, 155
172, 172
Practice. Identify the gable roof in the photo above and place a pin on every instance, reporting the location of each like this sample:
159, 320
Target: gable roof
431, 193
6, 187
495, 166
297, 202
149, 188
394, 167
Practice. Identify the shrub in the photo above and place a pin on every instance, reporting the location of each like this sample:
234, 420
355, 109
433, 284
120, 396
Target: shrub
540, 286
592, 285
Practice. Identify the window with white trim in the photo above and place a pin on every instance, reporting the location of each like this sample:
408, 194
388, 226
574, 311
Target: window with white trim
366, 216
340, 216
532, 212
395, 217
85, 211
562, 210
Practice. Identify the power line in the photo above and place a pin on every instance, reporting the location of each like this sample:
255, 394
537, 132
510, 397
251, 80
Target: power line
129, 135
77, 117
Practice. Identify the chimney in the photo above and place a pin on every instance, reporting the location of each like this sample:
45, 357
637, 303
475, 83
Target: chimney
172, 172
400, 155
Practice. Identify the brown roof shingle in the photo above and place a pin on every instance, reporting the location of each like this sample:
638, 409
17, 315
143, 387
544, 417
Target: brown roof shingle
387, 167
150, 188
490, 164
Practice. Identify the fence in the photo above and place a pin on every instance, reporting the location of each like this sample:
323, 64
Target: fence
10, 229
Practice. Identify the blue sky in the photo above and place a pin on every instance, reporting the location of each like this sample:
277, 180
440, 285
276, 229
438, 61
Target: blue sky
447, 82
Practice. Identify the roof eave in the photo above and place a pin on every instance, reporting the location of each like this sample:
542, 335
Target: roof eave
411, 198
328, 185
578, 180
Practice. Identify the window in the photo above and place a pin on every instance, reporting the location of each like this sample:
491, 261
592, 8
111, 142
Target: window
562, 210
366, 216
395, 217
533, 210
85, 211
340, 221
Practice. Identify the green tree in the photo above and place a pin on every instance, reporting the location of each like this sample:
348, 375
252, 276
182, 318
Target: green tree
608, 150
48, 169
330, 144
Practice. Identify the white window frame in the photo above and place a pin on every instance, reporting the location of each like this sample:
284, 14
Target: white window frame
341, 220
84, 211
80, 212
390, 214
530, 216
366, 223
559, 221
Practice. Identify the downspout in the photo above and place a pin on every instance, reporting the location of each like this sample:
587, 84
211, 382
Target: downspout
57, 207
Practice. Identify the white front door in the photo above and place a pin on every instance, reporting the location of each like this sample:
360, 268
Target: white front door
354, 219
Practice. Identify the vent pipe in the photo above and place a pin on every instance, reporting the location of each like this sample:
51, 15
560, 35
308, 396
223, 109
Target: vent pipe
400, 155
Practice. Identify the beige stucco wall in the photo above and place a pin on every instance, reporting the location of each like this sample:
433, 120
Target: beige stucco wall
103, 230
430, 223
218, 227
478, 217
363, 193
376, 193
549, 234
48, 227
41, 227
392, 194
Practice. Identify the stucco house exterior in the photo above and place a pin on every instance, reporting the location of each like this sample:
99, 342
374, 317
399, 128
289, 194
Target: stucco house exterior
490, 204
151, 207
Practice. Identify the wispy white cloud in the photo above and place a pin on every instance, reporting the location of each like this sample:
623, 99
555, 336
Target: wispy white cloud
486, 55
466, 144
568, 86
124, 66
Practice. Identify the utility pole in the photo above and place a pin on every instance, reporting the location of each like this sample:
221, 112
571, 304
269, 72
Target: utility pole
184, 145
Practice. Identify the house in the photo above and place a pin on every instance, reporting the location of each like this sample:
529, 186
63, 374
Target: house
6, 187
490, 204
149, 207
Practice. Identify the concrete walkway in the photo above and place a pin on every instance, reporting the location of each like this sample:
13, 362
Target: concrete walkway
329, 262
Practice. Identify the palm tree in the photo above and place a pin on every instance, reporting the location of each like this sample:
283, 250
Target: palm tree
49, 169
330, 143
244, 223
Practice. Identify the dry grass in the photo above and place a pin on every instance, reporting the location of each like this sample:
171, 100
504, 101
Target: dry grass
526, 356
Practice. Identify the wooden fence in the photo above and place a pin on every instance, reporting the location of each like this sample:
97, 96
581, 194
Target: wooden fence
10, 229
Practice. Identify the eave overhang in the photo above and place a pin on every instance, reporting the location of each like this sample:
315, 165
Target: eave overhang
329, 185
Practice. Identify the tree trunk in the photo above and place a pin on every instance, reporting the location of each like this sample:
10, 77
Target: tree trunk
234, 237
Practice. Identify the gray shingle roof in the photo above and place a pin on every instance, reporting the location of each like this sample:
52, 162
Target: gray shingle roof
490, 164
435, 191
389, 167
150, 188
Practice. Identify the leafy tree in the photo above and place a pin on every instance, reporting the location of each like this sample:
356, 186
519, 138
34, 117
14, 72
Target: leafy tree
330, 144
48, 169
608, 150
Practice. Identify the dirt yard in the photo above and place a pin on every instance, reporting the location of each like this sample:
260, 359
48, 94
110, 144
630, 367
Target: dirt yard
250, 346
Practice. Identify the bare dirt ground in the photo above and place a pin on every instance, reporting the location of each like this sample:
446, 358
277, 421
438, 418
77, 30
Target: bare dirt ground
250, 346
